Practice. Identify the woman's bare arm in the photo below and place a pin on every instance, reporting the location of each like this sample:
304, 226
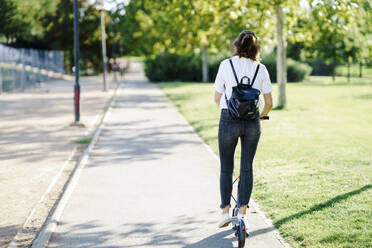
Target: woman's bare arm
268, 104
217, 98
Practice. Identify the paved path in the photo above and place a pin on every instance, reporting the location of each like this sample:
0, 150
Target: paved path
150, 182
36, 139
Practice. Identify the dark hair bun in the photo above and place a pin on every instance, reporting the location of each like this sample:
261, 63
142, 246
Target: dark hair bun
246, 45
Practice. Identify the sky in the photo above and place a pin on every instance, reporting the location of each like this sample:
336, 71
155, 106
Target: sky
111, 4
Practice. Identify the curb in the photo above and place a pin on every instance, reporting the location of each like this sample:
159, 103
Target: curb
28, 230
21, 231
50, 224
254, 204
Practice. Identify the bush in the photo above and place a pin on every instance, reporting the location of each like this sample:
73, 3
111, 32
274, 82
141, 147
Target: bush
213, 65
296, 71
270, 63
175, 67
320, 68
171, 67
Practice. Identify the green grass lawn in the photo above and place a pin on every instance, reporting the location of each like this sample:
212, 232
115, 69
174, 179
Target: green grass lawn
83, 141
313, 168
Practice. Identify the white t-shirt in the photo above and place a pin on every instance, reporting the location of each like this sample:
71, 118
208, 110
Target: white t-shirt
225, 79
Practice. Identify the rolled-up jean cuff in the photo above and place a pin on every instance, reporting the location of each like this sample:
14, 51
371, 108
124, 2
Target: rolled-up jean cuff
222, 206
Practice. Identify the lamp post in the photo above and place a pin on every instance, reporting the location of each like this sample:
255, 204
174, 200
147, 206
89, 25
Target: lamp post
99, 6
76, 61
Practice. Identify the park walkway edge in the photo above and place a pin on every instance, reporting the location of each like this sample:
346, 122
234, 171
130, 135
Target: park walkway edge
77, 156
42, 239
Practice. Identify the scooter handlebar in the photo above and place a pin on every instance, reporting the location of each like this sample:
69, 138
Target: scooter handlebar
265, 118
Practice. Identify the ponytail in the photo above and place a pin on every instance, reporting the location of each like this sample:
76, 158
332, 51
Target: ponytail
247, 46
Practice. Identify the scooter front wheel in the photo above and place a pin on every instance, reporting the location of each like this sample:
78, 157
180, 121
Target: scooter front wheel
241, 234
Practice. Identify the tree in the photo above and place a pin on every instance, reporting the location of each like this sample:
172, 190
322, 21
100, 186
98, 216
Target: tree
59, 34
281, 61
210, 27
184, 26
365, 41
21, 21
131, 40
183, 23
48, 24
332, 31
11, 25
284, 26
285, 16
32, 13
198, 26
339, 33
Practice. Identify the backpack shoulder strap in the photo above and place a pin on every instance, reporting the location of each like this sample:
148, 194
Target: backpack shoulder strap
255, 74
233, 69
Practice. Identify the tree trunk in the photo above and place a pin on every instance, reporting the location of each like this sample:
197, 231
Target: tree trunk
281, 65
205, 65
360, 69
348, 71
333, 70
1, 81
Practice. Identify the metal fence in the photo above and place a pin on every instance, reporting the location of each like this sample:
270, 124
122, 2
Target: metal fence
20, 68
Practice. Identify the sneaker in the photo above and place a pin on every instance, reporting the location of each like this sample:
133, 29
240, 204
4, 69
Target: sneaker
225, 220
244, 217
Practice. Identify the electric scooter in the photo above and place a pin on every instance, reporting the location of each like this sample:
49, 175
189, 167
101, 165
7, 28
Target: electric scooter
238, 225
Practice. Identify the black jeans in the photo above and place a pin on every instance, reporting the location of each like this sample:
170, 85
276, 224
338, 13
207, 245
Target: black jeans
230, 130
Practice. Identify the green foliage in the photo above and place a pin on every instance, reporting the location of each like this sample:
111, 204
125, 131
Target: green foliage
294, 50
320, 67
336, 31
32, 13
188, 26
59, 34
175, 67
22, 21
10, 23
170, 67
48, 24
328, 30
130, 39
296, 71
83, 141
213, 65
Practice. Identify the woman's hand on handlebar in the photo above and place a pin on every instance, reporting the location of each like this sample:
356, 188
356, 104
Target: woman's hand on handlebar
268, 105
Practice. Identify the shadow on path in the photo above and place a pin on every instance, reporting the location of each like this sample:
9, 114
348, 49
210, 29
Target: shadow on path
6, 234
148, 234
84, 235
151, 144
